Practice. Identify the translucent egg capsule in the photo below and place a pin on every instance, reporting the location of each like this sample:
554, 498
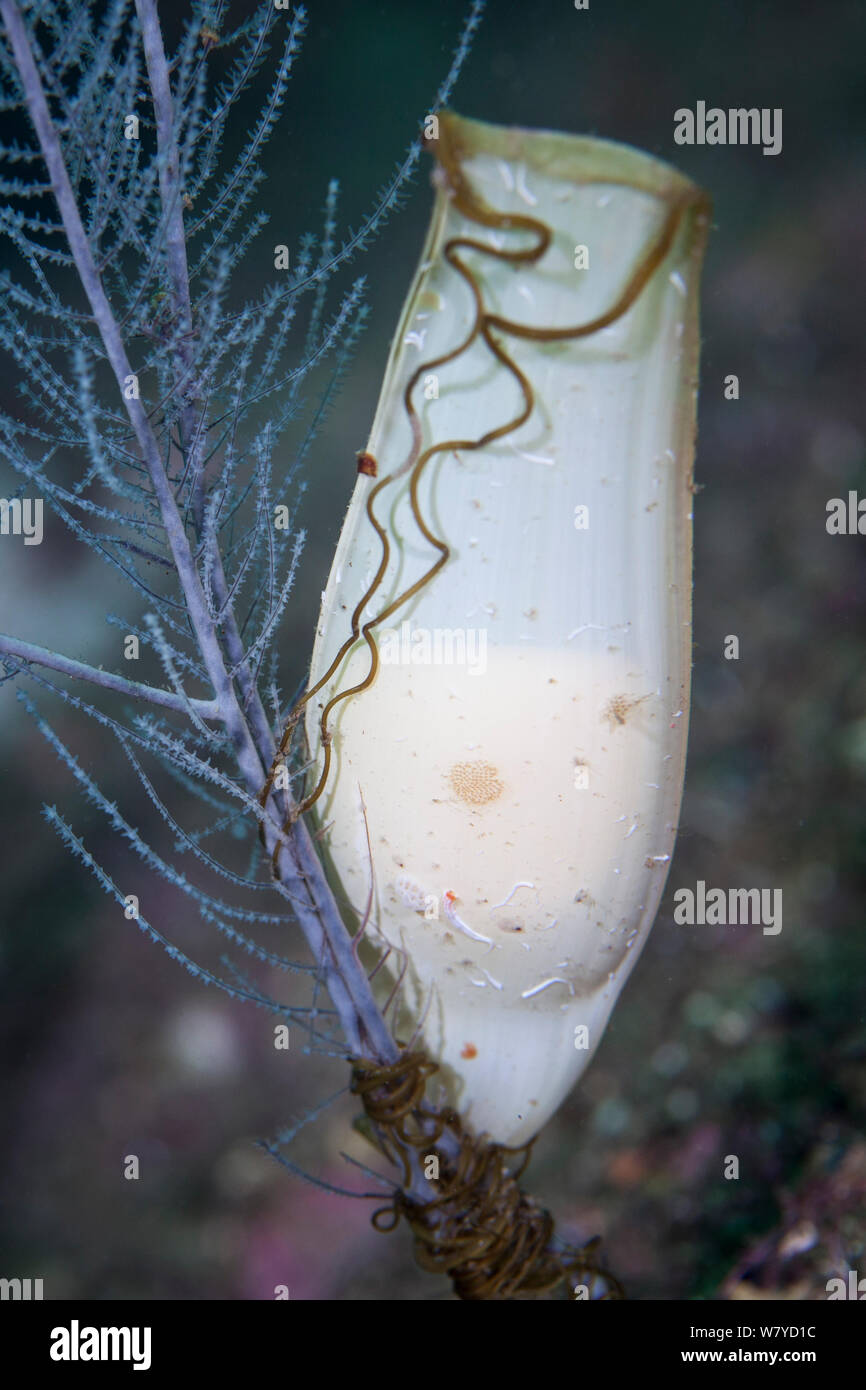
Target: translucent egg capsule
498, 701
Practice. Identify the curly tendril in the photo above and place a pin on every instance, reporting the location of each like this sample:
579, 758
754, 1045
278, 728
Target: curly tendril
466, 200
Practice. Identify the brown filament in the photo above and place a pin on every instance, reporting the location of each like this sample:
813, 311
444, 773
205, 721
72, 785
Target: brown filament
468, 202
480, 1228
